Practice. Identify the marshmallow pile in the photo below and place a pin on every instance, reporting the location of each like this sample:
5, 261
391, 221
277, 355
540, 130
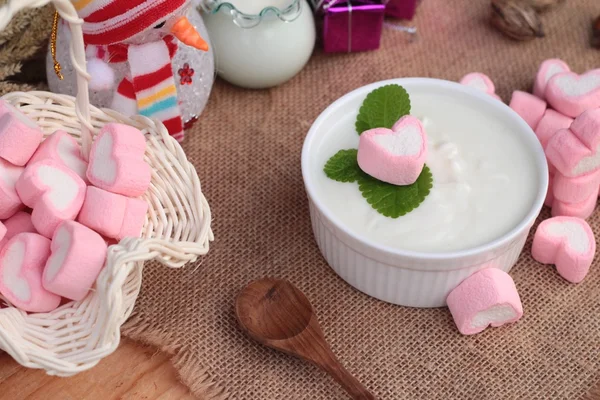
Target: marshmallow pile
58, 213
564, 112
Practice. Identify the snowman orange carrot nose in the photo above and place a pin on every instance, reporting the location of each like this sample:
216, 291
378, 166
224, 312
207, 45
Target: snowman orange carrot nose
186, 33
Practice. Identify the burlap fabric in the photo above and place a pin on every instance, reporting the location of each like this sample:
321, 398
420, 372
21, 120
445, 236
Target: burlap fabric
247, 151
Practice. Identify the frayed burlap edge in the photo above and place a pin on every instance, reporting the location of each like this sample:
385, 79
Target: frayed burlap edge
190, 369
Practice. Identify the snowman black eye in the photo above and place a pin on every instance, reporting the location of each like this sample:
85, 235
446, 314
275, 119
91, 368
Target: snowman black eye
160, 25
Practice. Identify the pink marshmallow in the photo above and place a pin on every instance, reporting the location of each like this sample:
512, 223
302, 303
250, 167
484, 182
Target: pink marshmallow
3, 231
479, 81
551, 122
10, 202
53, 191
572, 94
396, 155
113, 215
21, 265
19, 135
18, 223
584, 209
575, 190
547, 70
117, 161
571, 157
576, 151
566, 242
586, 127
64, 149
549, 193
488, 297
529, 107
78, 255
135, 217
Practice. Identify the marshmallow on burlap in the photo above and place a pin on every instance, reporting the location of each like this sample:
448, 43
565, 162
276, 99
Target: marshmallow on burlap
547, 70
529, 107
113, 215
551, 122
488, 297
566, 242
19, 135
64, 149
396, 155
583, 209
576, 151
22, 262
10, 202
117, 161
18, 223
575, 190
78, 255
53, 191
572, 94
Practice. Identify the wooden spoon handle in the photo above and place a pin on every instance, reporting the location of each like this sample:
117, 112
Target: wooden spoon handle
330, 364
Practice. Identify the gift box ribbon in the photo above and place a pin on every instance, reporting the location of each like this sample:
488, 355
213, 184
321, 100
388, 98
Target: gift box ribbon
332, 8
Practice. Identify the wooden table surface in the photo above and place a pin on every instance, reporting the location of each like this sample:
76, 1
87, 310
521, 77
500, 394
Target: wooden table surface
131, 372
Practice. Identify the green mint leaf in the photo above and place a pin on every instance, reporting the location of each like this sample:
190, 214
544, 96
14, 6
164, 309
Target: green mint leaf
394, 201
382, 108
343, 166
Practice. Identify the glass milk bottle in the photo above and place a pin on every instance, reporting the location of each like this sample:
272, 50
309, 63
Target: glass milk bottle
260, 43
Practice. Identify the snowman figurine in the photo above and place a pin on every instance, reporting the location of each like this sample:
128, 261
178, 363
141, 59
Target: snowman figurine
138, 39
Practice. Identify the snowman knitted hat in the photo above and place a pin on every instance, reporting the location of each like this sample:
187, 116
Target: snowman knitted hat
114, 21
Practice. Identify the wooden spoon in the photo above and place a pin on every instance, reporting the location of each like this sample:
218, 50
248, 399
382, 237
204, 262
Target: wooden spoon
277, 314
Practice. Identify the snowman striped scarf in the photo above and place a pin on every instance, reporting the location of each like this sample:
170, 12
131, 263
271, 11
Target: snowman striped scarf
150, 88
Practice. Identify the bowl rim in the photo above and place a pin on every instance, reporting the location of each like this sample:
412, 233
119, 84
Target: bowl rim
505, 239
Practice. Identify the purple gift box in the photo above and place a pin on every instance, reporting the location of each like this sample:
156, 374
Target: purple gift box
402, 9
352, 26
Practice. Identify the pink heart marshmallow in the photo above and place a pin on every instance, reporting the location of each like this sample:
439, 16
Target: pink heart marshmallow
488, 297
117, 161
19, 135
479, 81
78, 255
547, 70
576, 151
22, 262
572, 94
566, 242
53, 191
62, 148
10, 202
396, 155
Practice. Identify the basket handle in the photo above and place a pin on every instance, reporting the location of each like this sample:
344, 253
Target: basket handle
171, 254
67, 11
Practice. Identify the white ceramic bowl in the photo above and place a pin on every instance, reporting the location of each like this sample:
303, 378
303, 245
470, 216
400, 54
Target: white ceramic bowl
410, 278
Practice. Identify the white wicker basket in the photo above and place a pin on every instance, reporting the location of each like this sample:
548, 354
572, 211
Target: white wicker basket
76, 336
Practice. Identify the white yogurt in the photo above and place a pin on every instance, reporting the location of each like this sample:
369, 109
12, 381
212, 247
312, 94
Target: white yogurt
484, 181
